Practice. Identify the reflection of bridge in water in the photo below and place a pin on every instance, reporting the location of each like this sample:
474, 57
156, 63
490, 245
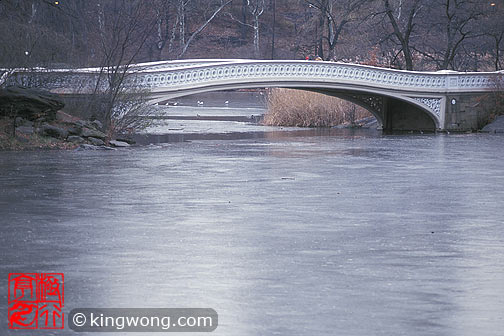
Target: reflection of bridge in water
401, 100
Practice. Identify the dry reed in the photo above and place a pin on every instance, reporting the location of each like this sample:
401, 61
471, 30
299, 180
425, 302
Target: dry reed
291, 107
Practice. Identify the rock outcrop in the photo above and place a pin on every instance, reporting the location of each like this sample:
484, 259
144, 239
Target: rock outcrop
117, 143
29, 103
34, 118
53, 131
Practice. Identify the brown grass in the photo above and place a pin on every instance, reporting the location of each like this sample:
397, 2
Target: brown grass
291, 107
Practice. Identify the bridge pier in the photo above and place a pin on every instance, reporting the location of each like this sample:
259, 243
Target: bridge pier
464, 112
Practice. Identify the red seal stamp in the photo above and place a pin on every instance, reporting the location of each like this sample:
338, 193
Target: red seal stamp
36, 300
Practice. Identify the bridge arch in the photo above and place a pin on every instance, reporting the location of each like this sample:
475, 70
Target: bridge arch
393, 112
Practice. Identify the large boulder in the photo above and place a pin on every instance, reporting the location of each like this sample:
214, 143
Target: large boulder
75, 139
497, 126
90, 132
117, 143
97, 124
93, 147
27, 130
96, 141
31, 104
23, 122
126, 139
53, 131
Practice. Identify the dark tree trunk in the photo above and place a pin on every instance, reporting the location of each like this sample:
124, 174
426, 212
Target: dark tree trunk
273, 7
244, 29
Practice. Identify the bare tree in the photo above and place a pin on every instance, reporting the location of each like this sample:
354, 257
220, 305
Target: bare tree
336, 14
494, 31
162, 31
498, 39
420, 34
26, 39
273, 27
204, 25
255, 8
124, 31
453, 22
402, 18
181, 17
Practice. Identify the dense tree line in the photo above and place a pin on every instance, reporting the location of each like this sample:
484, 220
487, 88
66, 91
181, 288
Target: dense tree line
406, 34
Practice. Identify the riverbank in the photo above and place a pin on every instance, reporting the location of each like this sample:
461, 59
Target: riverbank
64, 133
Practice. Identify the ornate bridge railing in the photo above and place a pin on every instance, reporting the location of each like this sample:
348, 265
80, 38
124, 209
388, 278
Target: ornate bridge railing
302, 71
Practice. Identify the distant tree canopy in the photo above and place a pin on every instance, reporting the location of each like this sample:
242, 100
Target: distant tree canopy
405, 34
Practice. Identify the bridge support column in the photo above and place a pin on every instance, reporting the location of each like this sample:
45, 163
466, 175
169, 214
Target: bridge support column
387, 117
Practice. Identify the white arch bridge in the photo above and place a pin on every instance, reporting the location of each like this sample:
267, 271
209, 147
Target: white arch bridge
401, 100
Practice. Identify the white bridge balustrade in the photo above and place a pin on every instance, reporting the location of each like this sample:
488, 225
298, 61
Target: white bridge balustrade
401, 100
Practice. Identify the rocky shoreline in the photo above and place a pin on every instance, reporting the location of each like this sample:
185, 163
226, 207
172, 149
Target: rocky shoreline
34, 119
68, 133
